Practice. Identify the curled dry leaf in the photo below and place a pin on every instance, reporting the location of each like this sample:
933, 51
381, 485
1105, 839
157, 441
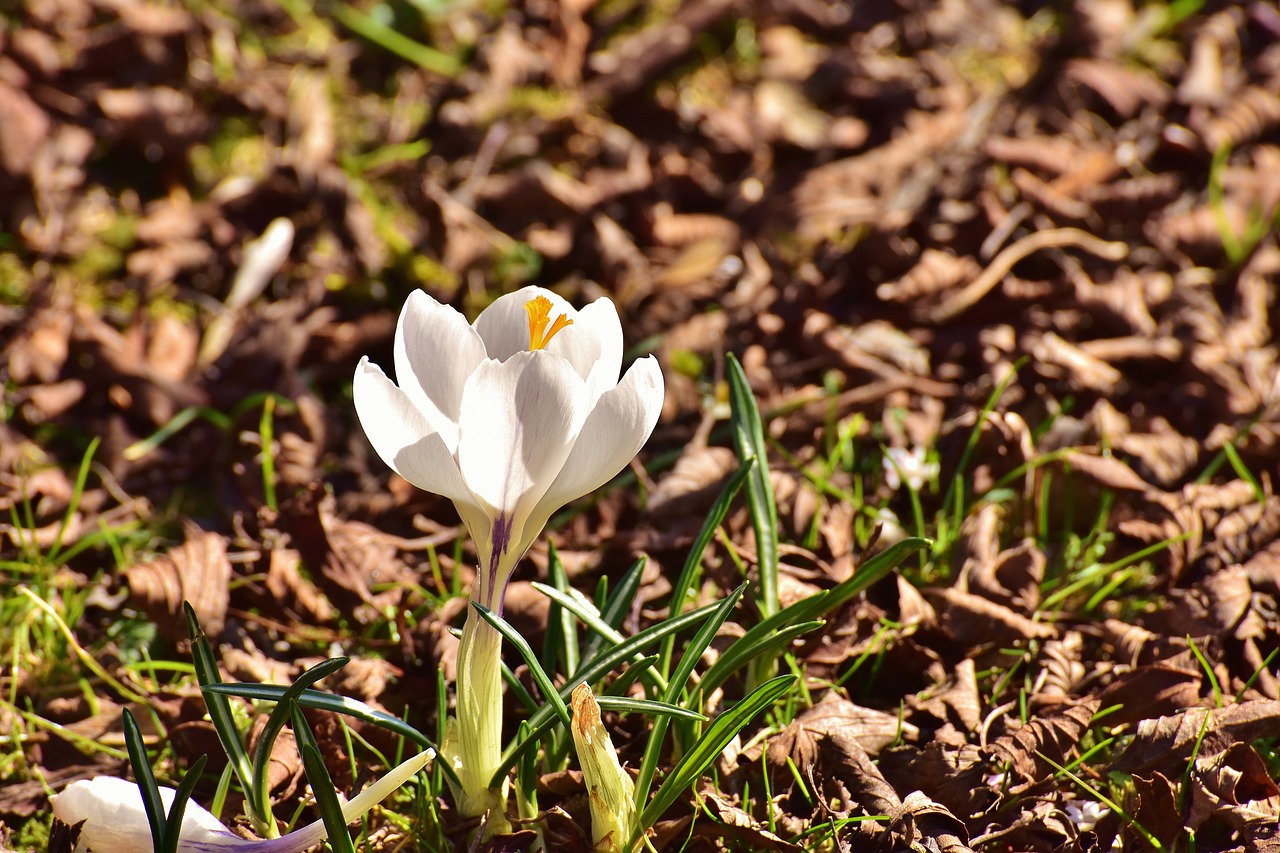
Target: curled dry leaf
197, 571
1043, 741
974, 620
1165, 743
924, 823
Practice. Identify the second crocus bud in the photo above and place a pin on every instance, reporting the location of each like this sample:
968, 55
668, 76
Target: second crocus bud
609, 788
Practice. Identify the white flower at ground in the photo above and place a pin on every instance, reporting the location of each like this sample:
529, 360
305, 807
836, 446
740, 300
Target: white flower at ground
510, 418
116, 821
1085, 814
909, 466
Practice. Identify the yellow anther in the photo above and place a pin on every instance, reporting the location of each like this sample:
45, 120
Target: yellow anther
539, 310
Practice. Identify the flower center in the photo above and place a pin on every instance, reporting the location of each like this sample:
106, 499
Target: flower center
539, 311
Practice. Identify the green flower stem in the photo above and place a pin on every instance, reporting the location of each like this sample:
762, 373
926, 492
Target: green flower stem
476, 748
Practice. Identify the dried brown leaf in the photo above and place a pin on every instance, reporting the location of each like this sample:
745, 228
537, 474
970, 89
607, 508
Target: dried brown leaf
1033, 749
1167, 742
197, 571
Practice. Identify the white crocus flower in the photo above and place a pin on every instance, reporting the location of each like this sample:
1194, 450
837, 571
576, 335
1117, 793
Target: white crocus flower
909, 466
1085, 814
116, 821
510, 418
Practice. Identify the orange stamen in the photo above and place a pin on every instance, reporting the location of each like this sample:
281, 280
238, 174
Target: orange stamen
539, 310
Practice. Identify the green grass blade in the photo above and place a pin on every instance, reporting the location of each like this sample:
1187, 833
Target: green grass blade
616, 606
373, 30
218, 706
574, 602
688, 660
631, 705
77, 492
595, 669
710, 745
684, 582
561, 643
275, 722
530, 659
338, 705
748, 439
751, 648
173, 823
151, 801
321, 783
633, 673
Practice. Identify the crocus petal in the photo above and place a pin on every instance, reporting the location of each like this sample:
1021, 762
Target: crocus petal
613, 433
519, 421
403, 436
504, 325
436, 350
593, 345
116, 821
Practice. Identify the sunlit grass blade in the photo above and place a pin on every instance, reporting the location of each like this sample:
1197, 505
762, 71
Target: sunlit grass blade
337, 704
73, 505
616, 606
684, 583
527, 779
173, 426
708, 748
321, 783
595, 669
748, 439
390, 40
275, 722
675, 687
574, 602
630, 705
561, 643
633, 673
954, 494
749, 648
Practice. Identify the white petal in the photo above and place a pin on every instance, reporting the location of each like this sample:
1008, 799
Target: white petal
403, 436
614, 432
116, 820
435, 351
519, 420
593, 345
504, 325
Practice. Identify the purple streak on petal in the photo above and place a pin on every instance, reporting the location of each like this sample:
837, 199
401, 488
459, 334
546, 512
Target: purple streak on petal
501, 542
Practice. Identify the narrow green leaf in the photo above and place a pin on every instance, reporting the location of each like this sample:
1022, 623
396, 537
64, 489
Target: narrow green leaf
748, 439
688, 660
321, 782
218, 706
750, 648
275, 722
616, 606
710, 745
714, 518
530, 659
574, 602
173, 823
595, 669
151, 801
631, 705
561, 642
